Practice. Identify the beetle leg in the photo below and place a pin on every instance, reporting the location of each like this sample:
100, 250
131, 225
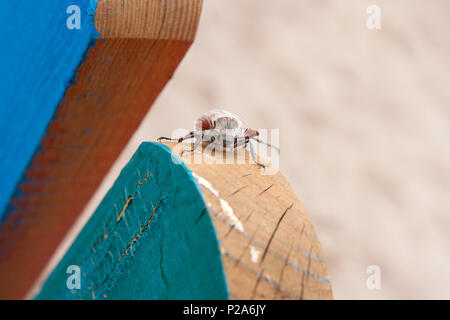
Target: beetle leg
188, 136
198, 141
241, 142
253, 153
267, 144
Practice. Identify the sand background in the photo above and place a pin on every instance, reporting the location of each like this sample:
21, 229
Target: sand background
364, 119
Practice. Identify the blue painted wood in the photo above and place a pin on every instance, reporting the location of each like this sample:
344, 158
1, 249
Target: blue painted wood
150, 238
38, 62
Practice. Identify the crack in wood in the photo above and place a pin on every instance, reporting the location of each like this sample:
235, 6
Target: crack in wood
142, 182
232, 194
307, 273
257, 284
266, 189
124, 208
142, 228
273, 233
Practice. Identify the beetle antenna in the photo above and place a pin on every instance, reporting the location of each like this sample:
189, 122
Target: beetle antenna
267, 144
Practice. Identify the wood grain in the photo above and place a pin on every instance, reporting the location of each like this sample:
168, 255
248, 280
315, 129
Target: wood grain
274, 253
141, 43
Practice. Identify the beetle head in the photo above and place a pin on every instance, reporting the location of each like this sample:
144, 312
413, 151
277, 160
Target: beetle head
251, 133
204, 123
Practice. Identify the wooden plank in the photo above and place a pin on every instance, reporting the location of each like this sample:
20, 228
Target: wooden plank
140, 45
150, 238
38, 64
269, 247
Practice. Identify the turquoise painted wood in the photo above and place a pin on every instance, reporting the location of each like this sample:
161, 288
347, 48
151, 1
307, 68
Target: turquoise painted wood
150, 238
39, 58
